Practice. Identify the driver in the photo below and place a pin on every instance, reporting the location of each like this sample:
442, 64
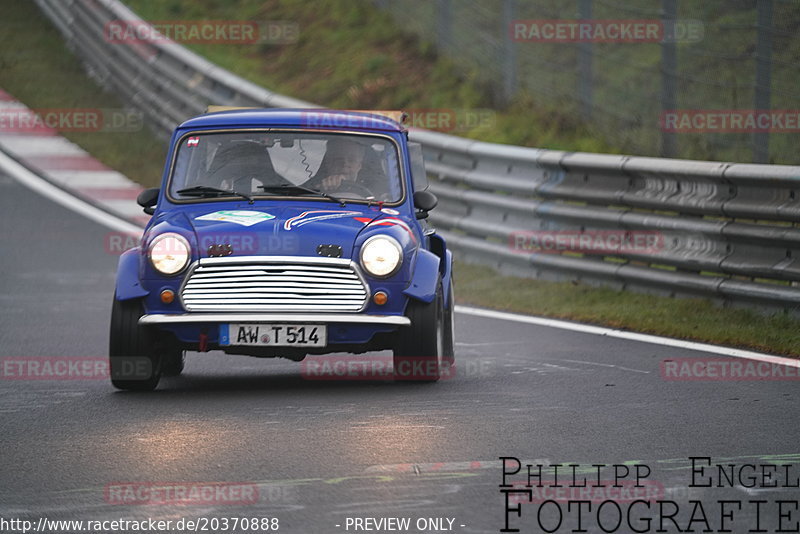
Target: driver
343, 160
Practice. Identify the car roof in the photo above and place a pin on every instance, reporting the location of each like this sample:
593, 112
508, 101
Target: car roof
329, 119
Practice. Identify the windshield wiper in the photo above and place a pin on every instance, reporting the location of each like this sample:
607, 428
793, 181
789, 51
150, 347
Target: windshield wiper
302, 189
205, 190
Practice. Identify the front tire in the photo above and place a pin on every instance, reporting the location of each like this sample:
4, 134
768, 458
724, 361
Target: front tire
173, 362
420, 349
134, 364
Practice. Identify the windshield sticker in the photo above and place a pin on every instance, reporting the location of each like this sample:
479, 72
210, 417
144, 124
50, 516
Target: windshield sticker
245, 218
193, 141
322, 215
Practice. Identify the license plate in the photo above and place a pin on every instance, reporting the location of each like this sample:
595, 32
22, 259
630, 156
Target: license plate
274, 335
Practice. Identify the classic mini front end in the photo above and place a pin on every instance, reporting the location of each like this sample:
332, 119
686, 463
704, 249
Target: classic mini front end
284, 233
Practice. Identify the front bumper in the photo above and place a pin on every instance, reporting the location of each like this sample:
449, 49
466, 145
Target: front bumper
322, 318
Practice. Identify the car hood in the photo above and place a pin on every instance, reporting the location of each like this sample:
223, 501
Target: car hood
275, 230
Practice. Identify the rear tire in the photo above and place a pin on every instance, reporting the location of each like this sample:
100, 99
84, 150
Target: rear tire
173, 363
134, 364
419, 351
449, 355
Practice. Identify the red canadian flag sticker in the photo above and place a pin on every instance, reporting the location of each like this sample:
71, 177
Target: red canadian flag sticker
193, 141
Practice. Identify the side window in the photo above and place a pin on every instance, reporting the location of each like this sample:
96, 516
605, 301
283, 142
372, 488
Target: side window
418, 174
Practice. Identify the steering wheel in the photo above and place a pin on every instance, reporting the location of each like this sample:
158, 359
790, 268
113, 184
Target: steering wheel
353, 187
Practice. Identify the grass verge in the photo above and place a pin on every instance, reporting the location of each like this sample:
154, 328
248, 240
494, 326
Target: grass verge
694, 319
37, 69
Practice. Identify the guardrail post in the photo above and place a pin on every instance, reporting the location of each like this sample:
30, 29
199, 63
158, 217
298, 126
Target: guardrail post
669, 70
509, 51
763, 76
585, 78
444, 23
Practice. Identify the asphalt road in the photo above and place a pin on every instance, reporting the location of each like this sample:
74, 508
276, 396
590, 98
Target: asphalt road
320, 452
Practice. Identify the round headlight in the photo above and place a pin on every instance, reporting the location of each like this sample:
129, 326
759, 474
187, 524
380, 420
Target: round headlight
169, 253
381, 256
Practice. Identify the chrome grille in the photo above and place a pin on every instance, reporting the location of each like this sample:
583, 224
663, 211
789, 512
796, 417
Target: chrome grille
274, 284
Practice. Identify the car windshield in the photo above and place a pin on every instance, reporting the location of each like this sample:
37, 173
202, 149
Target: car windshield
258, 164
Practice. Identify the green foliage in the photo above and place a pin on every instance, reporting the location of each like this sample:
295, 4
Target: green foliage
351, 55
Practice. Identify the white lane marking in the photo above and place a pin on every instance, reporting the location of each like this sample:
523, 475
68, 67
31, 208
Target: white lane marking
445, 466
393, 427
41, 186
127, 207
91, 179
46, 189
632, 336
32, 145
560, 367
610, 365
459, 344
12, 104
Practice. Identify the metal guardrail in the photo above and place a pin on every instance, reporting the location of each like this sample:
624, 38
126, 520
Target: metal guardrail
727, 231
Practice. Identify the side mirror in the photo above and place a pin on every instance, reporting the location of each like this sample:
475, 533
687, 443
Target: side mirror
424, 201
148, 199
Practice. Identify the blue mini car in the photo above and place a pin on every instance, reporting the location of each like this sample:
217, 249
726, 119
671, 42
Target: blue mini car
285, 233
